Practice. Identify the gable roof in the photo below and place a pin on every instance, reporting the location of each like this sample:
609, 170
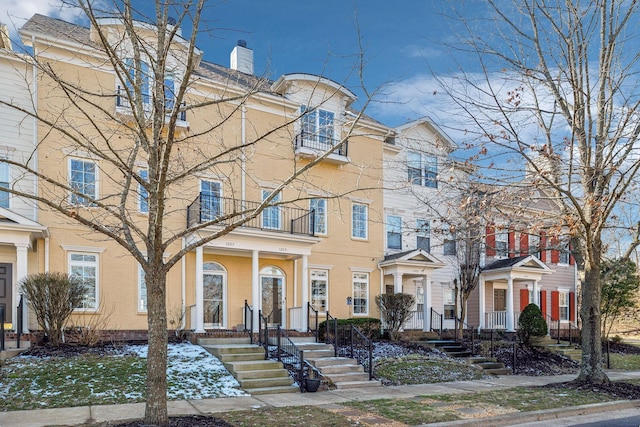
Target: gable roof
524, 261
412, 256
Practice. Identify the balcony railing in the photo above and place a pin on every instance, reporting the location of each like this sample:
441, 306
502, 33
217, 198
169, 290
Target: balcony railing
320, 143
122, 101
224, 211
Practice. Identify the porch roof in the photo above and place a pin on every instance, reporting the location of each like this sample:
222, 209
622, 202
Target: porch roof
527, 267
19, 229
417, 259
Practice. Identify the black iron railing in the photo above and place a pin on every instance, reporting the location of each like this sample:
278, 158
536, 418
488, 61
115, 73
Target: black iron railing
2, 320
122, 101
436, 321
331, 333
563, 330
224, 211
349, 341
20, 322
284, 350
312, 319
248, 320
263, 333
320, 143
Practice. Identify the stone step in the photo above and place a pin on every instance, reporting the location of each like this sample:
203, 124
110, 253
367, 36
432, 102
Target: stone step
314, 347
252, 365
8, 353
261, 373
318, 354
341, 369
218, 350
238, 357
490, 365
358, 384
458, 354
436, 343
222, 341
501, 371
479, 359
250, 383
274, 390
331, 361
347, 377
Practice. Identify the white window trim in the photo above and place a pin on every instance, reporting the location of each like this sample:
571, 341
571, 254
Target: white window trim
139, 293
140, 194
568, 293
97, 183
366, 223
326, 302
97, 285
326, 217
353, 280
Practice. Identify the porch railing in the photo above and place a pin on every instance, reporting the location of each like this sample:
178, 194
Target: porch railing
122, 101
312, 321
320, 143
563, 330
284, 350
349, 341
248, 320
436, 321
2, 320
225, 211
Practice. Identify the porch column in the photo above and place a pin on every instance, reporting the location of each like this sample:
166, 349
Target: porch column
21, 272
481, 300
536, 293
426, 308
255, 289
397, 283
305, 292
199, 290
510, 304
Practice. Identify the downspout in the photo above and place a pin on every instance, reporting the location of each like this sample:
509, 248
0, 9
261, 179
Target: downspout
243, 156
34, 102
183, 279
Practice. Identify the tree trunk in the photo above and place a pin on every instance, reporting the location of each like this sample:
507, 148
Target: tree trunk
592, 370
156, 401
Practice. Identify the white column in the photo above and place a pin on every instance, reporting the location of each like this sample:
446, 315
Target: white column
199, 290
255, 289
536, 293
428, 303
510, 304
426, 313
305, 291
397, 283
22, 264
481, 301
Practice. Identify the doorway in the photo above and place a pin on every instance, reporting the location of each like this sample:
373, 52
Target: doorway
214, 280
272, 292
6, 292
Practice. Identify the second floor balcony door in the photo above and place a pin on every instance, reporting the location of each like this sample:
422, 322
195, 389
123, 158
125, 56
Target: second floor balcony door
210, 202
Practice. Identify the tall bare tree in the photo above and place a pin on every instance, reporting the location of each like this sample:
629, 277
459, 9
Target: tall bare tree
78, 115
558, 88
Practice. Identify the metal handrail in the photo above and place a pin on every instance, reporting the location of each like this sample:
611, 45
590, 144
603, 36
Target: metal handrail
332, 330
316, 142
366, 345
465, 327
263, 334
438, 320
2, 319
310, 310
554, 324
20, 322
291, 357
248, 320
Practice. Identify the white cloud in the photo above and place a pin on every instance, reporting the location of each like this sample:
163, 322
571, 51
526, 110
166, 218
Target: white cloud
14, 13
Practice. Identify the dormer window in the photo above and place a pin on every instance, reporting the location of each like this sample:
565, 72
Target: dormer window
422, 169
317, 125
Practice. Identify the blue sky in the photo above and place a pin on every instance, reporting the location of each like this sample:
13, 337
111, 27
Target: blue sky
403, 42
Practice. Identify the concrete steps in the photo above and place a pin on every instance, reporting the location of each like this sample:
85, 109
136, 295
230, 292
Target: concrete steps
452, 349
566, 349
247, 364
10, 349
343, 372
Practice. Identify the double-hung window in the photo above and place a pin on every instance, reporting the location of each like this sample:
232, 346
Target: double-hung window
210, 202
83, 180
142, 290
534, 245
4, 183
423, 235
563, 305
85, 267
359, 219
360, 293
564, 253
271, 217
449, 301
319, 208
137, 84
502, 242
449, 246
394, 232
143, 194
422, 169
319, 289
318, 125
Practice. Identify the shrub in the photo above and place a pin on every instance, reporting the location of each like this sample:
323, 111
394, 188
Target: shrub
369, 326
531, 324
395, 310
52, 297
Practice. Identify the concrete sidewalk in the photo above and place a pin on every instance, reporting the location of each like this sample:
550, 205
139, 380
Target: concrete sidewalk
100, 413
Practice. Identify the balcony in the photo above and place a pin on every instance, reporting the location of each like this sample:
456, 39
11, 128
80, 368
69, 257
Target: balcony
223, 211
123, 105
313, 145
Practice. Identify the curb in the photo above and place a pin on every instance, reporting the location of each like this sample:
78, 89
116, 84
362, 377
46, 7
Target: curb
542, 415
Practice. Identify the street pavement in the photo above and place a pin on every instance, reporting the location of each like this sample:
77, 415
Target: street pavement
83, 415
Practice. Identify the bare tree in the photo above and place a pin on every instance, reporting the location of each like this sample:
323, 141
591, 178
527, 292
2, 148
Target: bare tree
77, 115
558, 88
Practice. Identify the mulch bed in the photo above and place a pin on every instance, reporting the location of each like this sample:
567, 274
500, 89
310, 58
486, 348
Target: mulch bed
620, 390
185, 421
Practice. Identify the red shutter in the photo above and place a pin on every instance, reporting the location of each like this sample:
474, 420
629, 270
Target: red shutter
572, 306
543, 303
524, 243
555, 254
512, 244
524, 298
555, 305
491, 241
571, 259
543, 246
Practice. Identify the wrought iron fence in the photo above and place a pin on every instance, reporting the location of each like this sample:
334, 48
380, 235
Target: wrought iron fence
323, 144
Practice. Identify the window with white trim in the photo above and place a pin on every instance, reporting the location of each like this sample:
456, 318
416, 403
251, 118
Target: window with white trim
563, 305
319, 290
271, 217
534, 245
128, 93
143, 194
142, 290
423, 234
502, 244
318, 126
360, 293
449, 298
83, 178
359, 221
422, 169
449, 245
210, 200
85, 267
394, 232
5, 182
319, 208
564, 253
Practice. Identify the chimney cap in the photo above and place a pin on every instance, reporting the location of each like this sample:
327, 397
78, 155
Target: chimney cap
242, 43
171, 20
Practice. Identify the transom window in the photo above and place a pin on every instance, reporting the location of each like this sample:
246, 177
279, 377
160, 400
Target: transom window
83, 179
319, 289
394, 232
85, 267
359, 218
319, 208
423, 235
360, 293
422, 169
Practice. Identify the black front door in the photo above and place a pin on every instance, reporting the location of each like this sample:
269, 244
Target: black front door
6, 292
